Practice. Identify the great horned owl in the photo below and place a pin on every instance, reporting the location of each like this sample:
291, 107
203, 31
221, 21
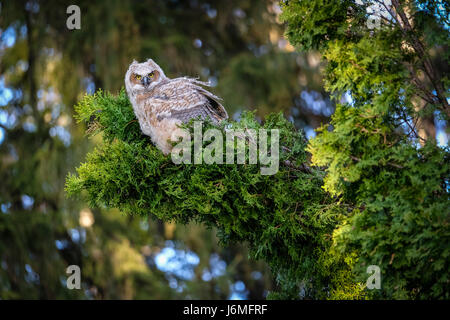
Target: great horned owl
162, 104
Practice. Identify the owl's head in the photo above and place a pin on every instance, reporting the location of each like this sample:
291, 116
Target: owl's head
141, 77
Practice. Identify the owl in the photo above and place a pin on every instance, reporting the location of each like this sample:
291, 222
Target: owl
161, 104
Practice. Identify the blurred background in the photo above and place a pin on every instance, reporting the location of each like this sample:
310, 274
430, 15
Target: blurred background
45, 68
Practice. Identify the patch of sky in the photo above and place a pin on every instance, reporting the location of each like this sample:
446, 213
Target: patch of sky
256, 275
23, 31
29, 126
309, 132
212, 81
238, 291
31, 276
237, 115
217, 268
438, 8
56, 111
257, 50
61, 244
62, 133
9, 120
198, 43
6, 94
316, 103
8, 37
27, 202
3, 117
89, 85
347, 98
22, 65
177, 262
32, 6
4, 207
239, 13
211, 12
78, 235
441, 134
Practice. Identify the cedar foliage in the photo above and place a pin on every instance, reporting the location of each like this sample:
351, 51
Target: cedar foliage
287, 219
385, 196
381, 154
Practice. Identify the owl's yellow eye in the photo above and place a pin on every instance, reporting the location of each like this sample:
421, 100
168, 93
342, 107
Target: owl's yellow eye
151, 74
138, 77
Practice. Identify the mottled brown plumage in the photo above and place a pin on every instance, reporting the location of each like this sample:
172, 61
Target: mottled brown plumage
162, 104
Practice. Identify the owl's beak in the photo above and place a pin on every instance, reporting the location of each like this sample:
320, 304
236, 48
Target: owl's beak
145, 81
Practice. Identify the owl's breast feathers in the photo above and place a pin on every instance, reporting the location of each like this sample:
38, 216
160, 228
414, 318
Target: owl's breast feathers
173, 102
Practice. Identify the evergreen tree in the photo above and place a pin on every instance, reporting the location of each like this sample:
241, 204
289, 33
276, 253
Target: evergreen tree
384, 199
381, 154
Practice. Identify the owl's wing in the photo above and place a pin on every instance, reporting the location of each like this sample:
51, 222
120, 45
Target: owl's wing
188, 100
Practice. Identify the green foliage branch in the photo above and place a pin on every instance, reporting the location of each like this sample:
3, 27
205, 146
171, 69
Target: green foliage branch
287, 219
380, 151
